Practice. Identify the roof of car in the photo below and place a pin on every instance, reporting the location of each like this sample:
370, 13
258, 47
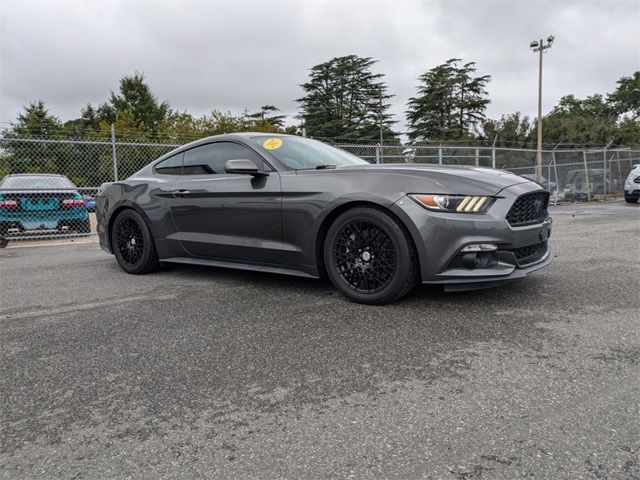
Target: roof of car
244, 136
262, 134
34, 175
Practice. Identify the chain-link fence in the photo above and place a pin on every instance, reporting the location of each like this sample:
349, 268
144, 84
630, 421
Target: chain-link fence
49, 184
570, 175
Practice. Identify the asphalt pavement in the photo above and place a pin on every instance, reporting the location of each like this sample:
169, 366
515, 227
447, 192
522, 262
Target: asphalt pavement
211, 373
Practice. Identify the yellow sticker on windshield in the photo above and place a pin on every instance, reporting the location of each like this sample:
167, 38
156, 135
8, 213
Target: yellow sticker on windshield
272, 143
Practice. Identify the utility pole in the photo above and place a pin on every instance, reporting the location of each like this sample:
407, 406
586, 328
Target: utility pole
380, 120
540, 46
380, 115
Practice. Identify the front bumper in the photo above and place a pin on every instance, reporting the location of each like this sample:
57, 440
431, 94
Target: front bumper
439, 238
632, 191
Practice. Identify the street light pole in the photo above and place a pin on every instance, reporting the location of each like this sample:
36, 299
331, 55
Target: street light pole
381, 125
380, 121
540, 46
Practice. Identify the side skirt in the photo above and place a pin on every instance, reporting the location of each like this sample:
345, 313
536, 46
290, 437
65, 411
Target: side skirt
238, 266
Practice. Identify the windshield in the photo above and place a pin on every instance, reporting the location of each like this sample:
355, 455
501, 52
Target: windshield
303, 153
36, 182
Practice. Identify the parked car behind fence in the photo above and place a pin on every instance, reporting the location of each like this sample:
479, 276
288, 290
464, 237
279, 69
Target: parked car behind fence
585, 184
41, 202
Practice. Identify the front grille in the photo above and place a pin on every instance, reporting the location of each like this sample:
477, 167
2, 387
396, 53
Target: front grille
636, 180
530, 253
529, 209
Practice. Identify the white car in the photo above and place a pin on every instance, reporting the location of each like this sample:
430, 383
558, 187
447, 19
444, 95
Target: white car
632, 185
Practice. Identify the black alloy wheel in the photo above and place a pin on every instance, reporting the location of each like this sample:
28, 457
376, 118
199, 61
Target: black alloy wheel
129, 241
370, 257
365, 257
132, 243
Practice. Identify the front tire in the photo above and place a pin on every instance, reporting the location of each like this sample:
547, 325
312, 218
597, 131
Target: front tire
630, 199
133, 245
370, 257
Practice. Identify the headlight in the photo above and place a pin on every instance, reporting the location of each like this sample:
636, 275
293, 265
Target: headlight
454, 203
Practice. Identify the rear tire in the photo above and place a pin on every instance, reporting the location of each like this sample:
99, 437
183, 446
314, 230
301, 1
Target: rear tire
370, 256
133, 245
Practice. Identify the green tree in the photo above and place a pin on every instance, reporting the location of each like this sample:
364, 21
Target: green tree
471, 98
511, 130
344, 99
450, 103
24, 156
145, 112
84, 127
183, 127
577, 122
35, 120
626, 97
430, 114
628, 132
265, 116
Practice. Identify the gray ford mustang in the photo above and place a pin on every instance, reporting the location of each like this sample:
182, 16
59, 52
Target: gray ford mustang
287, 204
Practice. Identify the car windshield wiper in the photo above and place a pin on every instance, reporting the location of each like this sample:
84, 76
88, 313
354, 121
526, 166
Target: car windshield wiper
324, 167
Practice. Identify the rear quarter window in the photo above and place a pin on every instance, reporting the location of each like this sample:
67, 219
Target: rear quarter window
170, 166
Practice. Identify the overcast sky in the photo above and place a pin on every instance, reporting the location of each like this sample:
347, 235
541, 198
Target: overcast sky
231, 55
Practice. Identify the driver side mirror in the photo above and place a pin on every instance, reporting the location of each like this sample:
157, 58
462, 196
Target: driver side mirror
243, 167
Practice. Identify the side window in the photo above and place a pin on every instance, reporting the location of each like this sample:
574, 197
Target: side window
170, 166
210, 159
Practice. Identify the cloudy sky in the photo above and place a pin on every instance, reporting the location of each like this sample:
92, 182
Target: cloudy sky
204, 55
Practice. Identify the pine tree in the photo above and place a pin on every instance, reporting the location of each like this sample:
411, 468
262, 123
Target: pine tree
35, 120
450, 102
472, 98
264, 116
343, 100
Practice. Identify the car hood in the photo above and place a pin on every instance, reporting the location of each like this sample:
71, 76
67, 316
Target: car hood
444, 179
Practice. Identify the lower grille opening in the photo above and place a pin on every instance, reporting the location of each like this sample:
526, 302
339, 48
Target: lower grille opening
530, 253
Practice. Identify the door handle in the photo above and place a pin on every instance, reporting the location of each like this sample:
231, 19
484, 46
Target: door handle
181, 193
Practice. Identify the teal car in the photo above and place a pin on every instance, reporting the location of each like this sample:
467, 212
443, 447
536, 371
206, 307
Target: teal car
32, 202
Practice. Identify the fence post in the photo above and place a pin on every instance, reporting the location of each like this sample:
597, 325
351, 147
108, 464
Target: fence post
377, 153
604, 165
477, 156
555, 171
586, 175
113, 152
439, 154
620, 181
493, 153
